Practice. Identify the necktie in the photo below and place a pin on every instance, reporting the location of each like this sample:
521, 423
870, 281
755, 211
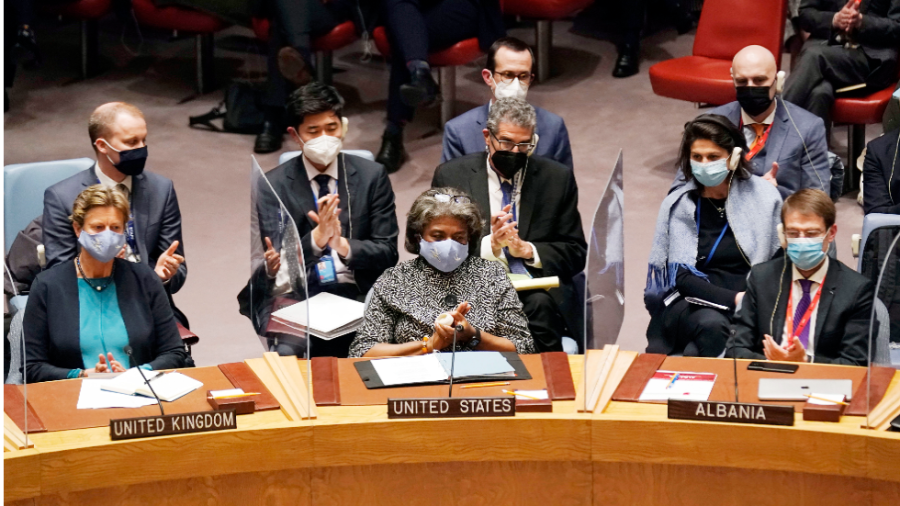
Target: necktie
759, 129
516, 265
802, 306
322, 180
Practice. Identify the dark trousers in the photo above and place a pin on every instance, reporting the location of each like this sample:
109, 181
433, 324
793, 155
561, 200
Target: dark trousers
294, 23
545, 322
693, 330
823, 69
417, 27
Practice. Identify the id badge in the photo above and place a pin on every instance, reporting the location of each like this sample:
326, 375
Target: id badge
325, 270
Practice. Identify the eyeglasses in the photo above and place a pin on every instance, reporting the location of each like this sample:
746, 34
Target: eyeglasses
457, 199
801, 234
508, 77
524, 147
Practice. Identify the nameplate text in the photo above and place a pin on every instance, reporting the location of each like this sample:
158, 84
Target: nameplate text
452, 407
732, 412
182, 423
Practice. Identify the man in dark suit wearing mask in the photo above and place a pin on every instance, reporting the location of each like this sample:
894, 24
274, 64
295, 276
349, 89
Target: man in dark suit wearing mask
851, 42
342, 205
153, 233
535, 225
805, 307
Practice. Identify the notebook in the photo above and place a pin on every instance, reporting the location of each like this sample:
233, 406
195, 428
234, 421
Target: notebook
330, 315
127, 382
169, 387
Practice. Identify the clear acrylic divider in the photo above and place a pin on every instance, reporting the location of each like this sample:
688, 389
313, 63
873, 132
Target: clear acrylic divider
278, 291
881, 263
604, 290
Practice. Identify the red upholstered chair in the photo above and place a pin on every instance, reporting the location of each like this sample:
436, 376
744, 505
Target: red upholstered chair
856, 113
88, 12
204, 26
545, 12
446, 61
726, 27
324, 46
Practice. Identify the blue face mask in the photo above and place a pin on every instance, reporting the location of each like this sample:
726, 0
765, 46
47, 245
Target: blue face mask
103, 246
710, 174
445, 255
806, 252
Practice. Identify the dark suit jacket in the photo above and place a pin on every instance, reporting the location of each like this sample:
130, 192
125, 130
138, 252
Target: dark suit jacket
157, 220
877, 176
463, 135
52, 321
879, 34
842, 320
548, 216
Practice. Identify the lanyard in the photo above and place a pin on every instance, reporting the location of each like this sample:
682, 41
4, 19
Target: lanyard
721, 234
806, 316
762, 141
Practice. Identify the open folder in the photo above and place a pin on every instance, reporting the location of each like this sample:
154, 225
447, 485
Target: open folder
435, 368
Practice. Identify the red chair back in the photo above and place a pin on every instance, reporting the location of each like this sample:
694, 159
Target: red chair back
727, 26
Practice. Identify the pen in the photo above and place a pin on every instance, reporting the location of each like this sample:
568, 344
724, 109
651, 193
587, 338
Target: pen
483, 385
827, 400
674, 378
236, 395
510, 392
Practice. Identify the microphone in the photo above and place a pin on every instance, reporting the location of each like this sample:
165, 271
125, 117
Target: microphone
734, 359
133, 363
456, 330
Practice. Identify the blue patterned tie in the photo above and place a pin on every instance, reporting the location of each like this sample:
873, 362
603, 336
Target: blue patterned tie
802, 306
516, 265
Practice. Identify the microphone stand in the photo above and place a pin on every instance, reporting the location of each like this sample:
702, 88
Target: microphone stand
734, 359
457, 329
128, 351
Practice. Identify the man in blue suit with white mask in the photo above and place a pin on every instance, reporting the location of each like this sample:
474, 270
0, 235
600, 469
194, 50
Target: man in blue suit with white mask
509, 73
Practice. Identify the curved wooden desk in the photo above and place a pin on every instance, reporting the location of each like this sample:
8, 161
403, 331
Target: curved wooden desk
630, 454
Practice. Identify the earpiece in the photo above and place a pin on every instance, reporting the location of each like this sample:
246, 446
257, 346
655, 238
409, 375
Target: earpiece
735, 159
345, 125
779, 82
534, 139
781, 238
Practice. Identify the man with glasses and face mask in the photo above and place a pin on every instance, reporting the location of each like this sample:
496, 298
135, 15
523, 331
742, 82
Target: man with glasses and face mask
806, 307
535, 225
509, 74
118, 135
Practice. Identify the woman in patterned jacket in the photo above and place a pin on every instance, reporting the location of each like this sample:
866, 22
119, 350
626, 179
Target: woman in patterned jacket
447, 278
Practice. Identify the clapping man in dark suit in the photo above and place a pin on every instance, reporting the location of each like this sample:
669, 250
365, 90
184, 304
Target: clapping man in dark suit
535, 225
118, 134
851, 42
342, 205
509, 72
805, 307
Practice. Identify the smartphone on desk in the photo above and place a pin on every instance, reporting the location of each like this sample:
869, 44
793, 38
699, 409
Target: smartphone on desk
773, 367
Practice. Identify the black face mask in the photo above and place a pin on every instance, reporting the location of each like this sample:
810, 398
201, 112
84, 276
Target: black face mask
754, 99
131, 162
507, 163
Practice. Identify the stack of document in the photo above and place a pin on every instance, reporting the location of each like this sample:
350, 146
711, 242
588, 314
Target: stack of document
435, 367
685, 386
330, 316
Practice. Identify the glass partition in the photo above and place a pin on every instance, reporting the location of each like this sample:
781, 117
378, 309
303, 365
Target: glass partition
604, 276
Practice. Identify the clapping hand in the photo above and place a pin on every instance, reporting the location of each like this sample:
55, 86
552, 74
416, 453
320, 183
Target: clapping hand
848, 18
273, 259
167, 264
327, 220
502, 229
105, 364
794, 352
772, 175
443, 334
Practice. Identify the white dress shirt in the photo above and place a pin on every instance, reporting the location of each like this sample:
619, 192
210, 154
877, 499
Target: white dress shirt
108, 182
344, 274
748, 131
796, 294
495, 196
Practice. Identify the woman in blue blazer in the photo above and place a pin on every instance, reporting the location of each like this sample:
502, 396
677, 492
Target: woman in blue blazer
83, 315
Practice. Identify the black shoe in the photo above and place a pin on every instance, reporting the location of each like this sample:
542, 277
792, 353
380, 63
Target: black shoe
422, 90
391, 155
628, 63
269, 140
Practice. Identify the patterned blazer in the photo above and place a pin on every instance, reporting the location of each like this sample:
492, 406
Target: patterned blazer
407, 299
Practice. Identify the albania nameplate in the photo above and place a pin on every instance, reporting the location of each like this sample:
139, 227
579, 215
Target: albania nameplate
732, 412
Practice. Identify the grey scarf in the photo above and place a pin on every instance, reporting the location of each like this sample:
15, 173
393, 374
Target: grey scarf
753, 210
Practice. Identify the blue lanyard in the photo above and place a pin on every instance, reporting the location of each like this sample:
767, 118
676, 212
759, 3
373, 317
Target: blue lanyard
721, 235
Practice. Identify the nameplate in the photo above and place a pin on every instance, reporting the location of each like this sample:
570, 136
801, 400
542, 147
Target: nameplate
732, 412
452, 407
182, 423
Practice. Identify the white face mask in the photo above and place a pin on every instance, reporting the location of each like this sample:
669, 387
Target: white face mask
512, 89
323, 149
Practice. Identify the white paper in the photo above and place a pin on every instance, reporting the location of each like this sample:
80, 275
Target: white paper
226, 393
127, 382
832, 399
690, 386
407, 370
93, 397
476, 363
327, 314
540, 394
171, 386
